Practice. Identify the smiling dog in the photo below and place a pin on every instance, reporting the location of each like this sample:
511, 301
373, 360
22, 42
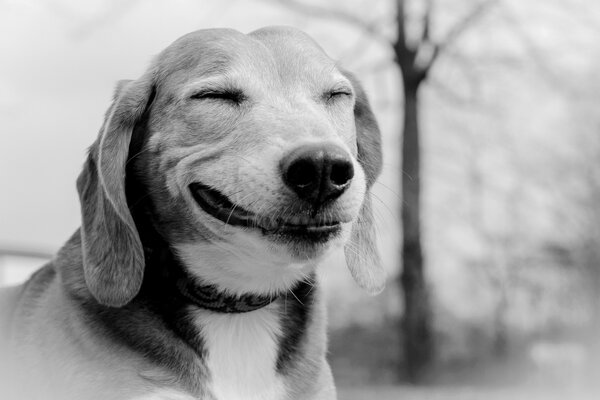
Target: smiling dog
219, 181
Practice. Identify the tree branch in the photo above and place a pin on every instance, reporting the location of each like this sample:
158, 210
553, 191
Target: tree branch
458, 29
427, 17
400, 45
405, 55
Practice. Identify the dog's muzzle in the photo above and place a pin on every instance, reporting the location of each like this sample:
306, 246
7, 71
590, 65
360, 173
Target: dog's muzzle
316, 174
294, 227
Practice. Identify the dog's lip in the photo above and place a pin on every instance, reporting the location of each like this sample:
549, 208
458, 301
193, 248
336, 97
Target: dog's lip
219, 206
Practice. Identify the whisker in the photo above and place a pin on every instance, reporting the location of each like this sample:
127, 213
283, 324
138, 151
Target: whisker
392, 191
296, 297
384, 204
355, 250
136, 155
235, 205
310, 283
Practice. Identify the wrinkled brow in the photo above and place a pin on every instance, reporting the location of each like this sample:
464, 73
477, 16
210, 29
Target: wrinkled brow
201, 63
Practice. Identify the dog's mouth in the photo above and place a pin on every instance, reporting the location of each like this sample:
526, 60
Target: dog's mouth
295, 227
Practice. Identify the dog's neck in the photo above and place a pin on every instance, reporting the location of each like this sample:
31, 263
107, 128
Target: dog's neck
163, 265
243, 269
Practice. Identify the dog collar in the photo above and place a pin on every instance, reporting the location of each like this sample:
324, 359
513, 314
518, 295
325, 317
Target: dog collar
174, 274
210, 298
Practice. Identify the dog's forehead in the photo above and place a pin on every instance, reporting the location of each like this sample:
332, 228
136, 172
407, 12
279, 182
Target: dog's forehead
288, 52
205, 50
291, 46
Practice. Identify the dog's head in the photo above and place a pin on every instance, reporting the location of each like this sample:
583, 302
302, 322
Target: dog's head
256, 153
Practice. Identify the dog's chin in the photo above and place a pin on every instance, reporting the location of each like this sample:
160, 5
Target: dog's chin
304, 236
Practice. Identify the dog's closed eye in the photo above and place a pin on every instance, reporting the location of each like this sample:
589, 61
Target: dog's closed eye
235, 96
337, 93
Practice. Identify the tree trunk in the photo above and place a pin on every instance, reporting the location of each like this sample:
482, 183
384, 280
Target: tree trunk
416, 325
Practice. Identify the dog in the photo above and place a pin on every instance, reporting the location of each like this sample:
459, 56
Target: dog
219, 181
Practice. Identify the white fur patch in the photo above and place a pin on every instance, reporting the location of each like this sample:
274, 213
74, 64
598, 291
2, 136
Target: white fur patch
244, 264
242, 354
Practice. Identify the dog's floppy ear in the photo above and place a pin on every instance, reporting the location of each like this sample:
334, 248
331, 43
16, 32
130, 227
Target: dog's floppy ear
361, 252
113, 257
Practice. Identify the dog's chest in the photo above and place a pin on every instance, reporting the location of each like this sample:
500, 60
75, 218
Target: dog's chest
242, 352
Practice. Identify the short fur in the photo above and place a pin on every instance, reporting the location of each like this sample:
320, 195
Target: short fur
105, 318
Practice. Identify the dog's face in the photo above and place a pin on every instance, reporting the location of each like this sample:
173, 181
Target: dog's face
256, 154
256, 146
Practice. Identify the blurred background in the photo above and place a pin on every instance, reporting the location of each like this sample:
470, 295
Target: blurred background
488, 208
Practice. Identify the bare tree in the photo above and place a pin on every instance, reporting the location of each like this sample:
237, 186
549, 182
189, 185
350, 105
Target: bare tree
415, 62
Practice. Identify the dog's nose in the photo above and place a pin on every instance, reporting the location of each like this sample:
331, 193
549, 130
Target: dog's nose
317, 172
